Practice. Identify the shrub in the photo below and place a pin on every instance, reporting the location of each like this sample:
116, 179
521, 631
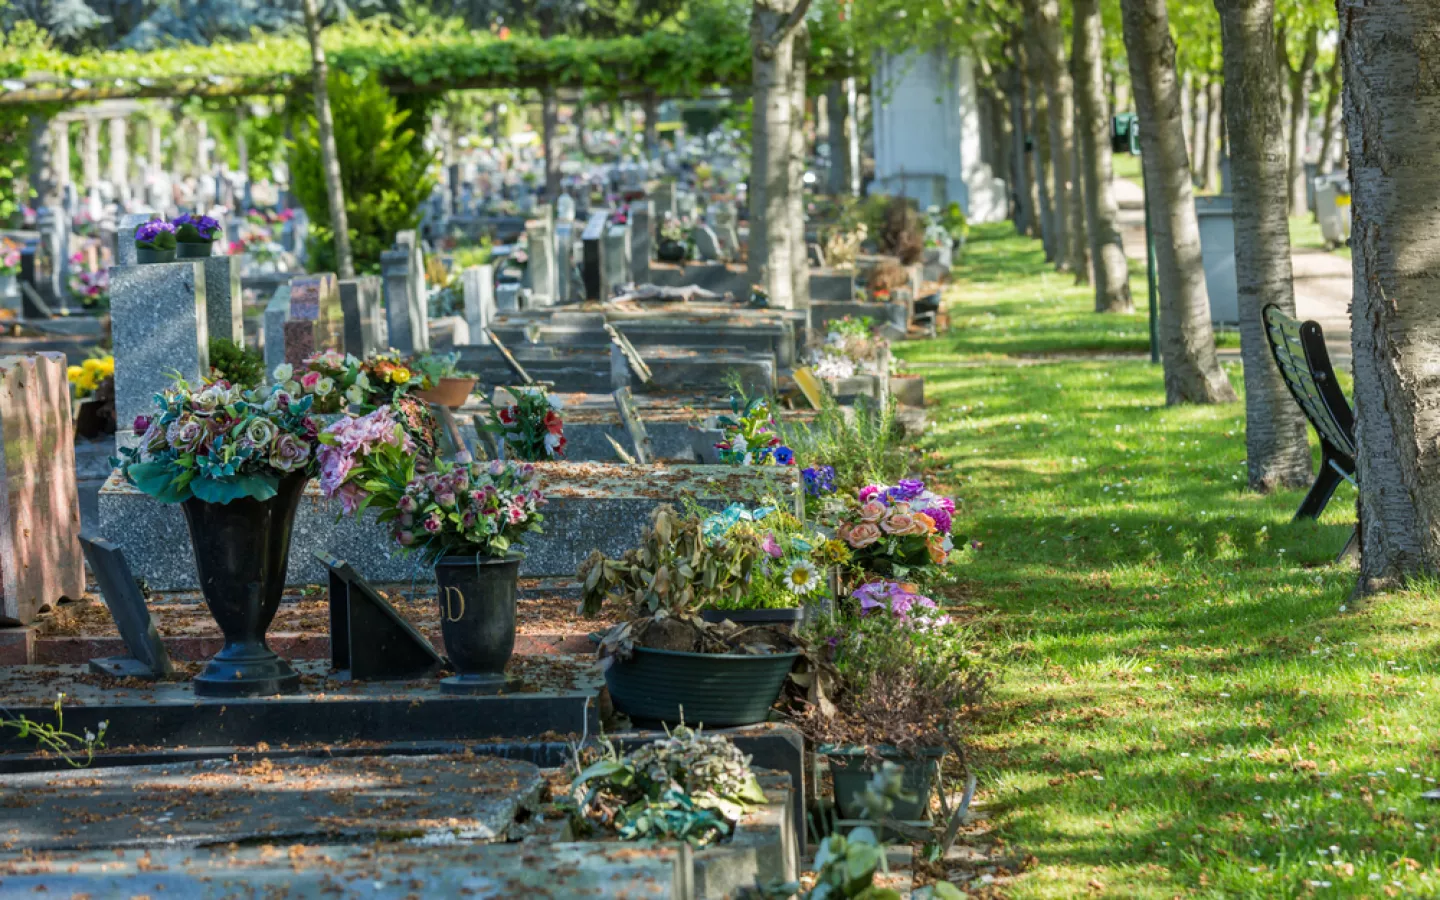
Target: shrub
383, 168
902, 234
236, 364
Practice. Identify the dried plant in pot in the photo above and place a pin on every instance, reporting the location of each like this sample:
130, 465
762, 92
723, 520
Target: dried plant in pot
441, 381
666, 663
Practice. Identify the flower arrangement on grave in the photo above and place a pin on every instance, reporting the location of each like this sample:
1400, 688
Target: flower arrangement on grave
849, 348
674, 239
842, 245
92, 289
155, 241
751, 437
819, 485
759, 297
900, 529
9, 256
795, 559
195, 229
687, 786
335, 380
531, 427
87, 377
220, 443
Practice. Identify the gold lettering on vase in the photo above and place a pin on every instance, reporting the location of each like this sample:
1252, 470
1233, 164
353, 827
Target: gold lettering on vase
452, 594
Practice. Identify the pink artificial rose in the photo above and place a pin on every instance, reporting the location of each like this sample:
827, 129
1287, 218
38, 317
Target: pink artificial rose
772, 547
186, 435
868, 491
860, 536
309, 380
289, 453
899, 523
872, 512
515, 513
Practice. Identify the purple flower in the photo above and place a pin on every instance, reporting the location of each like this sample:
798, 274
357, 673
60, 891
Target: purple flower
819, 481
196, 227
906, 490
152, 229
942, 518
142, 424
784, 456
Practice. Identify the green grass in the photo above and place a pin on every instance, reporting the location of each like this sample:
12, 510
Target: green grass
1191, 705
1305, 233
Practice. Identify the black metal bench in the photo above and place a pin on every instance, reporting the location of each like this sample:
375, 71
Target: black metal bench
1299, 350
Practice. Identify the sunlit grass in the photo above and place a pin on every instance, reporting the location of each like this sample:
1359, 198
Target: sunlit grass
1191, 703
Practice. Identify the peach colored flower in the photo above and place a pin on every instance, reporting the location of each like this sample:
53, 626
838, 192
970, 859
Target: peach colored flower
936, 547
872, 512
899, 523
860, 536
925, 523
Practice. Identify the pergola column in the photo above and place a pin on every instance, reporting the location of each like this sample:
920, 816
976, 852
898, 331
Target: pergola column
120, 159
90, 155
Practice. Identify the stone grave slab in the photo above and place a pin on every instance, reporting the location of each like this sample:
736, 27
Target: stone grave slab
159, 325
221, 802
148, 656
406, 315
592, 265
315, 321
363, 318
369, 638
478, 292
224, 301
616, 256
125, 235
277, 311
40, 556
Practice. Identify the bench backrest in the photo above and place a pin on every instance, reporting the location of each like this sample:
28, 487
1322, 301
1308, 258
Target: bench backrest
1299, 350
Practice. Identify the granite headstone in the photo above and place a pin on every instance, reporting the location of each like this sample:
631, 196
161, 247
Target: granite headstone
159, 327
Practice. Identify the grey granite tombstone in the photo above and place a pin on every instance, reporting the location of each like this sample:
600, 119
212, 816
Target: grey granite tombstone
125, 236
685, 204
40, 556
160, 326
360, 307
593, 258
507, 298
642, 239
314, 322
707, 244
148, 656
564, 260
540, 274
406, 318
665, 199
477, 285
277, 311
616, 257
224, 300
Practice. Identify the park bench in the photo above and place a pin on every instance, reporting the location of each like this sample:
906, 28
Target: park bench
1299, 350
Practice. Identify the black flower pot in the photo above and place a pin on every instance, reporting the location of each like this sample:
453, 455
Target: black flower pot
852, 768
241, 551
477, 620
193, 249
711, 689
672, 251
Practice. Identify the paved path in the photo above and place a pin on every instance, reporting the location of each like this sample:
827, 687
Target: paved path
1323, 281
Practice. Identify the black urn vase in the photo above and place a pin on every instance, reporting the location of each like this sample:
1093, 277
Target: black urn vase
241, 551
477, 620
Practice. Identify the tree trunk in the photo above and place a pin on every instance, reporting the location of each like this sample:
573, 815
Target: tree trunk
838, 113
580, 138
799, 251
1196, 124
1328, 125
772, 148
1112, 274
1040, 155
119, 147
1276, 447
1391, 119
549, 138
329, 156
1214, 123
1187, 341
1075, 225
1299, 130
1048, 47
1019, 166
652, 125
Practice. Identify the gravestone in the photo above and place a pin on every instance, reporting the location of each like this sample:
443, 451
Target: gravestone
53, 257
592, 264
273, 325
564, 260
632, 358
726, 229
664, 200
616, 257
634, 425
540, 274
364, 322
314, 322
685, 204
224, 300
642, 239
148, 657
707, 244
125, 236
159, 326
405, 315
40, 555
369, 638
477, 285
32, 303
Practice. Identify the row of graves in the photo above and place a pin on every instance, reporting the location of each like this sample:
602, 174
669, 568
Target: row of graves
442, 603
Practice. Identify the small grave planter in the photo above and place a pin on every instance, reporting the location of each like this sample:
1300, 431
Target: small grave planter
241, 550
792, 615
477, 620
450, 392
672, 252
713, 689
193, 250
146, 255
852, 767
908, 390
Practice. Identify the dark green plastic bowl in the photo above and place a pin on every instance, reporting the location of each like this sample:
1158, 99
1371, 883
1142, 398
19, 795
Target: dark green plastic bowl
851, 769
713, 689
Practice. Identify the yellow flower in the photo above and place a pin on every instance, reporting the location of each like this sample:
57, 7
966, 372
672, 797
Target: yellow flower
73, 373
91, 365
400, 376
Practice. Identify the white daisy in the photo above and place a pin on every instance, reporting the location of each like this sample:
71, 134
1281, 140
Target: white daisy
802, 578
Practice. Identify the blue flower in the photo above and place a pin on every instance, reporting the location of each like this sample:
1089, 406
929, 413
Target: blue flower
784, 456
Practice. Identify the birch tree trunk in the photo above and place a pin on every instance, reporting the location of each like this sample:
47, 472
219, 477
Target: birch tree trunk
329, 156
1112, 273
1048, 47
1214, 124
1187, 340
1276, 446
795, 212
1328, 126
773, 26
1391, 119
1299, 129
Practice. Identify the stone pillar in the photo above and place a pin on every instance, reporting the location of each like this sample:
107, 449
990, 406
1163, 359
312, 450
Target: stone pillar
407, 320
40, 556
90, 156
120, 159
202, 148
564, 259
360, 305
540, 244
478, 285
224, 314
159, 325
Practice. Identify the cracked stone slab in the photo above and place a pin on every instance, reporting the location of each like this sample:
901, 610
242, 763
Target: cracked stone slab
435, 800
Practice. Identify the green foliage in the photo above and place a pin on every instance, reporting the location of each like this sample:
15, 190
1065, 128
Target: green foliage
383, 168
473, 255
55, 739
863, 443
236, 364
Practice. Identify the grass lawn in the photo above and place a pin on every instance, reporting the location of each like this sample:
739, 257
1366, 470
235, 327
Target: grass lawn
1305, 232
1191, 704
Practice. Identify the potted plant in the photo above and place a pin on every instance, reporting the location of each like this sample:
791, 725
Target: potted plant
237, 462
195, 236
901, 679
530, 428
155, 242
441, 381
666, 663
751, 437
794, 571
467, 520
674, 246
